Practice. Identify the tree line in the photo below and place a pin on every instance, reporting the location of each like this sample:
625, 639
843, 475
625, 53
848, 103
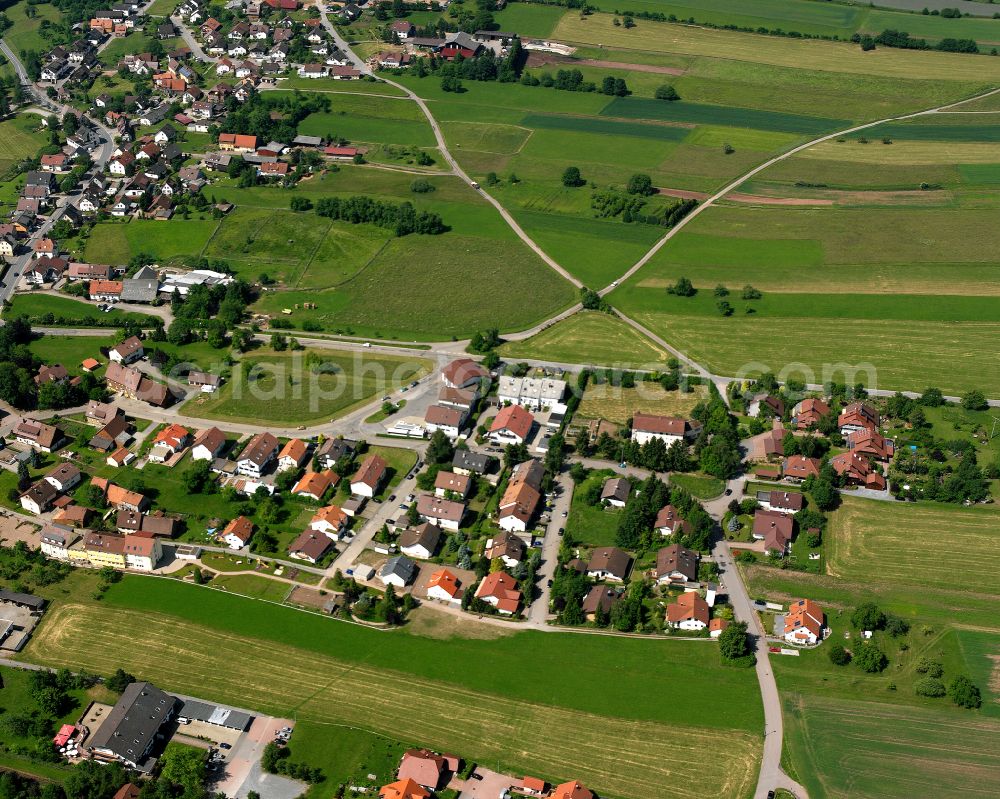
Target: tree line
401, 218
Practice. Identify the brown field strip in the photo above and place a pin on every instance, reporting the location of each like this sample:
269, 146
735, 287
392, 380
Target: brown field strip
624, 758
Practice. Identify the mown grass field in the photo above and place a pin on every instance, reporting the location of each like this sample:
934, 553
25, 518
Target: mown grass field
370, 120
873, 749
617, 404
19, 139
590, 337
900, 543
236, 650
852, 734
819, 19
42, 304
291, 389
70, 351
24, 32
592, 525
171, 242
864, 272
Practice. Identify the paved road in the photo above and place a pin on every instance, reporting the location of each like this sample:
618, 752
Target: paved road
771, 775
538, 613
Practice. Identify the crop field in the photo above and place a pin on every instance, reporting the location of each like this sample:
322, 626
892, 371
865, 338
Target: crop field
459, 699
617, 404
853, 749
836, 266
814, 18
644, 108
590, 337
529, 20
304, 387
911, 131
899, 543
598, 29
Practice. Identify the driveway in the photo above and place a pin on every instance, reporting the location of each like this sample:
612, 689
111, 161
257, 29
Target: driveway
491, 786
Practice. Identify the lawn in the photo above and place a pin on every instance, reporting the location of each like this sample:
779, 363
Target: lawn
305, 387
174, 242
697, 485
370, 119
62, 308
400, 462
617, 404
251, 585
592, 525
590, 337
70, 351
249, 653
19, 139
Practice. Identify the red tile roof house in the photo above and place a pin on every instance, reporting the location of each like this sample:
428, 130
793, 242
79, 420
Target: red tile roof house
500, 590
716, 627
511, 425
857, 471
329, 520
369, 477
463, 373
809, 413
571, 790
238, 532
403, 789
426, 768
315, 484
868, 443
804, 622
689, 612
292, 455
857, 416
646, 427
774, 529
444, 586
237, 142
799, 467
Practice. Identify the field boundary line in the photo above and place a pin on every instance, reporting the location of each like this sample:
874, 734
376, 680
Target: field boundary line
201, 253
312, 257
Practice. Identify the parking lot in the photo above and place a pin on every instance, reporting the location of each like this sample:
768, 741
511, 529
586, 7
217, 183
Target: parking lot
239, 772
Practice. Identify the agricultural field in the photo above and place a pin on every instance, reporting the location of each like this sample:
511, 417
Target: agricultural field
304, 387
617, 404
871, 748
817, 19
899, 544
824, 269
473, 690
370, 120
836, 717
590, 337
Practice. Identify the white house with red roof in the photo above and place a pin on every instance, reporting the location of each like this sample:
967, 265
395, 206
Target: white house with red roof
512, 425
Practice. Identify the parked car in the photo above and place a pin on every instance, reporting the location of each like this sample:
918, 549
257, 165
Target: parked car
224, 745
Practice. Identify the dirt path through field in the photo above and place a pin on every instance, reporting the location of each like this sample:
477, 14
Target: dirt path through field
537, 58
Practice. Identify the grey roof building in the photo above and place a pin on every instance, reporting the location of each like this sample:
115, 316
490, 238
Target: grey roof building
139, 290
132, 726
466, 461
399, 567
